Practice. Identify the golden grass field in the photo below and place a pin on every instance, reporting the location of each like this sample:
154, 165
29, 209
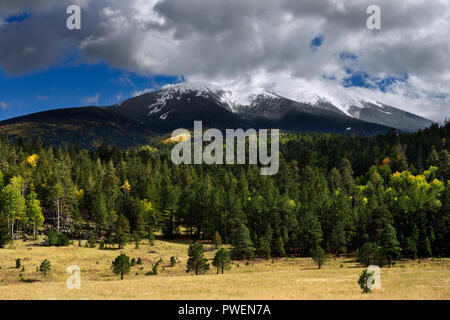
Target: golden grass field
287, 278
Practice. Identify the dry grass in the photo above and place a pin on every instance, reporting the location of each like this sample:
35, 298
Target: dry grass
279, 279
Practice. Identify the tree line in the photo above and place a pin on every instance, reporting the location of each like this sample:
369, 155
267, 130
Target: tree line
383, 197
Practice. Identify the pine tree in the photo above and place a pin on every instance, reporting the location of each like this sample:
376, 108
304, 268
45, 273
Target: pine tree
100, 212
121, 265
263, 248
217, 240
242, 244
122, 235
390, 247
319, 257
197, 262
222, 260
45, 267
5, 235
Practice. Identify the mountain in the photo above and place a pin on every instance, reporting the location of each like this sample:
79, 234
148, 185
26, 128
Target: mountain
366, 110
177, 106
87, 125
135, 120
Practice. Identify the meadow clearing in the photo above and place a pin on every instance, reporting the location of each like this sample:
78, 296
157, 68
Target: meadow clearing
286, 278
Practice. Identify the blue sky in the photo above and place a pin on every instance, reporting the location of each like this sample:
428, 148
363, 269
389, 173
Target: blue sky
71, 86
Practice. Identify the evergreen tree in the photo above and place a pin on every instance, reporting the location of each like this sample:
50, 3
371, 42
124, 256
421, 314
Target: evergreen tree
121, 265
5, 235
197, 262
122, 235
45, 267
263, 248
222, 260
242, 244
217, 240
319, 257
390, 247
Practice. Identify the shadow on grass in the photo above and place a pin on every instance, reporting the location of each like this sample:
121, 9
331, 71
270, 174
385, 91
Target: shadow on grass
30, 280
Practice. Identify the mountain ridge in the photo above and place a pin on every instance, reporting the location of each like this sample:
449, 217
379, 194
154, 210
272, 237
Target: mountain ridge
156, 113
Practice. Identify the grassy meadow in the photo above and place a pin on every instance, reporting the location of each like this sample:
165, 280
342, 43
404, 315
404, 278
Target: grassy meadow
287, 278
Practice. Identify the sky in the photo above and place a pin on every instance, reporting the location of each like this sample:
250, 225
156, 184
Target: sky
291, 47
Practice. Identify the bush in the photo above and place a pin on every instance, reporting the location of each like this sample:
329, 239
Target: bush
133, 262
363, 279
57, 239
173, 261
18, 263
102, 245
92, 242
139, 261
45, 267
155, 268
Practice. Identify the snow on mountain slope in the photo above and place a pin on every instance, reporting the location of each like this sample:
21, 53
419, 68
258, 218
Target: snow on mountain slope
250, 102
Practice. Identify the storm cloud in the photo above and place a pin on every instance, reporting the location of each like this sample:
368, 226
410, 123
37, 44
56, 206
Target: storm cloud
248, 43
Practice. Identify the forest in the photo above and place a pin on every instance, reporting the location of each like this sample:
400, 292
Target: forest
384, 198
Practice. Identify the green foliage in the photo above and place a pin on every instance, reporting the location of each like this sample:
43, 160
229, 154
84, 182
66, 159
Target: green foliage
57, 239
45, 267
92, 241
122, 232
363, 280
263, 249
34, 212
339, 192
390, 247
151, 237
137, 239
18, 263
155, 268
197, 263
242, 244
173, 261
319, 257
217, 240
5, 234
369, 254
121, 265
222, 260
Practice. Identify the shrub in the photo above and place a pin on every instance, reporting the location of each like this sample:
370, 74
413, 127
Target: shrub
92, 242
18, 263
155, 268
173, 261
139, 261
363, 279
57, 239
319, 257
45, 267
133, 262
102, 245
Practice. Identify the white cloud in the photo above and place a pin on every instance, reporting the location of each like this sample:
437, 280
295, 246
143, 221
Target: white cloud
3, 105
264, 42
91, 100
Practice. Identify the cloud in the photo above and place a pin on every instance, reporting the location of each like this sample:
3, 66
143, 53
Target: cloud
91, 100
248, 41
3, 105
